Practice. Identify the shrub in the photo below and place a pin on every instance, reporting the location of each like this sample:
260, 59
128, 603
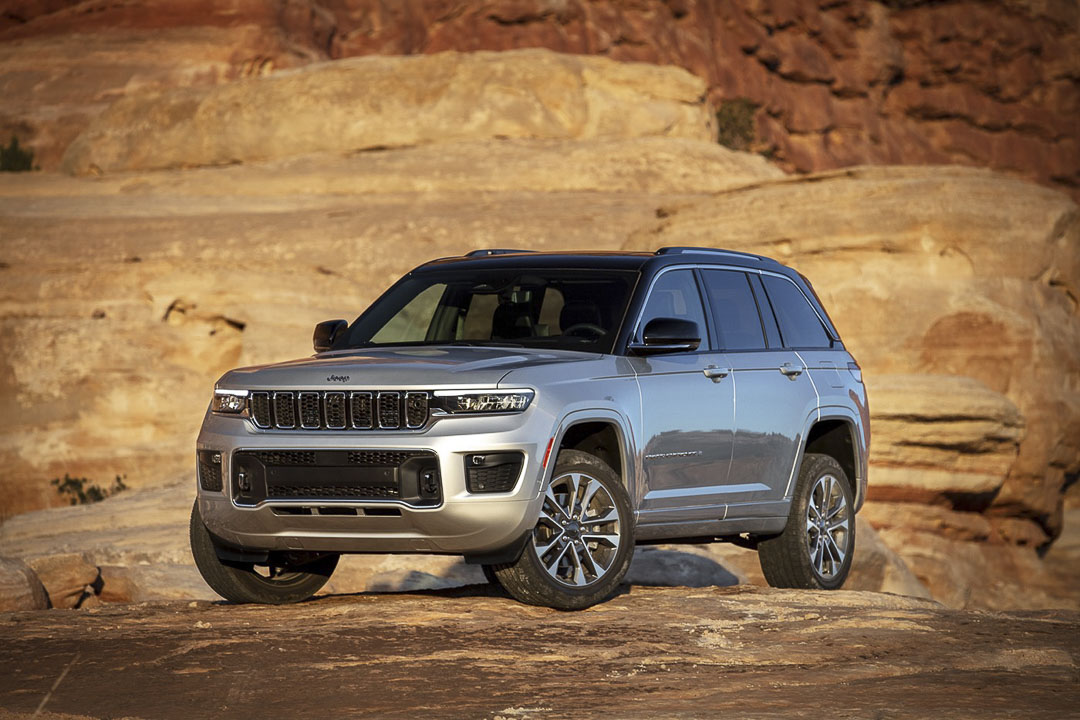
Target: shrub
80, 491
735, 123
14, 159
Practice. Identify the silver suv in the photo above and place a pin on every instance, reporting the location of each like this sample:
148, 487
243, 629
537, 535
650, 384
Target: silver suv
540, 414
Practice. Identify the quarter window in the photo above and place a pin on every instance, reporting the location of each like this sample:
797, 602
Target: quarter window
674, 295
735, 314
800, 326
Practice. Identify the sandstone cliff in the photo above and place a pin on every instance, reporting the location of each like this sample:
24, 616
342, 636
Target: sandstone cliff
813, 85
122, 297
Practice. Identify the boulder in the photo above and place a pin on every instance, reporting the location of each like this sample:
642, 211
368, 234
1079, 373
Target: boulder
877, 568
68, 578
378, 102
979, 575
118, 584
941, 437
937, 519
20, 588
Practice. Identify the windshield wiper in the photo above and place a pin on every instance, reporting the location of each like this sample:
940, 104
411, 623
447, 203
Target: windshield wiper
481, 343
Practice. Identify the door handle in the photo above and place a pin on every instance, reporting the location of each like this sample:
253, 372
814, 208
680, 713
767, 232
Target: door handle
792, 371
716, 374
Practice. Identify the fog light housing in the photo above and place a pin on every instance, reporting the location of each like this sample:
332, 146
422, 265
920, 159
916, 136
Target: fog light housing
209, 462
493, 472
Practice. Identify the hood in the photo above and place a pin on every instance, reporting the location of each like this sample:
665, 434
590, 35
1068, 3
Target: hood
397, 368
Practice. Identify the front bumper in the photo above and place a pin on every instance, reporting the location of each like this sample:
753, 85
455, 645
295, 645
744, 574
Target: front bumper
461, 523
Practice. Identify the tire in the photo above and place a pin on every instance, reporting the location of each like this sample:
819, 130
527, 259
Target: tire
815, 549
573, 561
489, 574
290, 578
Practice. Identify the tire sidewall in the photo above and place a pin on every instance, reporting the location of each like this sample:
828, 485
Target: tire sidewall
814, 468
570, 461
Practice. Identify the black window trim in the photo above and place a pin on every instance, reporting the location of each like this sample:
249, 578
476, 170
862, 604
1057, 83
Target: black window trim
707, 344
833, 340
709, 309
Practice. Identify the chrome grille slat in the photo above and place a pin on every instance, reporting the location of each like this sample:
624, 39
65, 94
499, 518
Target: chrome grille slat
284, 410
334, 410
389, 410
340, 410
361, 410
260, 409
416, 409
310, 413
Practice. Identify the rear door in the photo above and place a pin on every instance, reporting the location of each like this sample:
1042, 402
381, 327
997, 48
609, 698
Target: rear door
773, 392
687, 413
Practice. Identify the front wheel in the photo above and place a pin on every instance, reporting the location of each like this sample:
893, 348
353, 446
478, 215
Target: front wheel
582, 544
284, 578
815, 549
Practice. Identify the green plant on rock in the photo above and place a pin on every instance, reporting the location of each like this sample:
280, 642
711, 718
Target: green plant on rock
735, 123
14, 158
80, 491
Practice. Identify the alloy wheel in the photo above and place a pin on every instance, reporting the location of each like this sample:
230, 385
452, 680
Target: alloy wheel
827, 527
579, 531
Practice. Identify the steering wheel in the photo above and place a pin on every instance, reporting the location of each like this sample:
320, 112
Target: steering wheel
591, 328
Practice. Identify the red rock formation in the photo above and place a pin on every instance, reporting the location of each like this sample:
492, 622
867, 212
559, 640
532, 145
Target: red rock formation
993, 83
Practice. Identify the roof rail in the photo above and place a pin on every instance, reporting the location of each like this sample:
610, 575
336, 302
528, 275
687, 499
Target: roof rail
711, 251
495, 251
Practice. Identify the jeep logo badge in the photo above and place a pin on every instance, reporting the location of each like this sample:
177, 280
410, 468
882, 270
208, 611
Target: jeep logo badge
337, 378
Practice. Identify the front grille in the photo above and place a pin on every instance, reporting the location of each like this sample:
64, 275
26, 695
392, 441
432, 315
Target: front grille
299, 492
286, 457
410, 476
338, 410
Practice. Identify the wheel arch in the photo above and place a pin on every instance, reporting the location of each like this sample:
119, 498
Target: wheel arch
603, 433
836, 433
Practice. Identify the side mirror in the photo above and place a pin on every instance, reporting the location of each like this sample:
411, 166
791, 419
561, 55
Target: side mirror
326, 333
665, 335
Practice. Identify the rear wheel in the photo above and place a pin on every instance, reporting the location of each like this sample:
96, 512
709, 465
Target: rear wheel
817, 545
284, 578
582, 544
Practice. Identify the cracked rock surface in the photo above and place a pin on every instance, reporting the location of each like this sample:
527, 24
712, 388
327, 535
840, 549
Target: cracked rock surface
471, 652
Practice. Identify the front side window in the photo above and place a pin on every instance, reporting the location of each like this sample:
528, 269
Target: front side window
800, 326
734, 311
674, 295
554, 308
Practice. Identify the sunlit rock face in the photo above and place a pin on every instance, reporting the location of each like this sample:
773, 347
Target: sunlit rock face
827, 84
957, 292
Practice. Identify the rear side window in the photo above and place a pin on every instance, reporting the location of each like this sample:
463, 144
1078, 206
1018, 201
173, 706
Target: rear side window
800, 326
734, 311
674, 295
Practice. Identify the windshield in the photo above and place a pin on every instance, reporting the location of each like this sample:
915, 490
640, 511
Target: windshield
527, 307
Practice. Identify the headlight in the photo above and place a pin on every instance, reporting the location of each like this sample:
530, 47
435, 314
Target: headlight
229, 401
483, 401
